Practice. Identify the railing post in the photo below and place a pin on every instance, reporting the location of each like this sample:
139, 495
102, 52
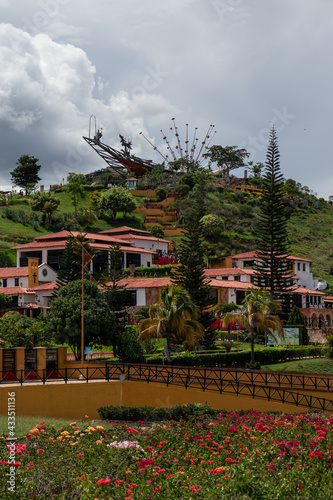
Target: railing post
21, 377
87, 372
66, 375
44, 375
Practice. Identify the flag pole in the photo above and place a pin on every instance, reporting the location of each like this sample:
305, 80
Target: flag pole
82, 311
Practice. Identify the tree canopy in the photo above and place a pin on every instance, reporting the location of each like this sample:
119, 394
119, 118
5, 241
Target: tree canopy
63, 322
20, 331
75, 188
257, 314
25, 175
116, 199
174, 317
227, 158
47, 203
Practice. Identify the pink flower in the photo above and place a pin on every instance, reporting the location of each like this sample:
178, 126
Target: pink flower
146, 462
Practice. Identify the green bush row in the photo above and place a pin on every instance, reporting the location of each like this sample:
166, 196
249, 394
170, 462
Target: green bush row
151, 414
265, 356
151, 272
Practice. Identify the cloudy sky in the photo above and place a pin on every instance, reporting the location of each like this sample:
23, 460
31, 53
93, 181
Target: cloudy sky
240, 65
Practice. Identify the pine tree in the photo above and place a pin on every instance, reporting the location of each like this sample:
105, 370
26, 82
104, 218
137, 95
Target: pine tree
191, 276
272, 234
70, 268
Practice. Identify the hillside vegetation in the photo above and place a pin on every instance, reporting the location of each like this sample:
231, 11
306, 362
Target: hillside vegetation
229, 224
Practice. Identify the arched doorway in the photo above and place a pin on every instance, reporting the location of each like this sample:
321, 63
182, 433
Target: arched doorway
314, 321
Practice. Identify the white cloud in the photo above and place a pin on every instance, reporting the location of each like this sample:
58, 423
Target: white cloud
136, 64
47, 98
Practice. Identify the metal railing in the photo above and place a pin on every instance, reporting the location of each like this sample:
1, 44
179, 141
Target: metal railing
271, 386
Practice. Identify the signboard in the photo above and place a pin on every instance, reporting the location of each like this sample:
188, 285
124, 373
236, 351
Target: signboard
166, 352
292, 336
88, 350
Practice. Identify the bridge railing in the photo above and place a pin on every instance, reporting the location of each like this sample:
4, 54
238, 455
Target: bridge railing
272, 386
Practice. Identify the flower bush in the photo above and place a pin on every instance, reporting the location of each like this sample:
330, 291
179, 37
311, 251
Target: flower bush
237, 455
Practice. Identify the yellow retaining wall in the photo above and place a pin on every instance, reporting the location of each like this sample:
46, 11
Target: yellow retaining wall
174, 232
165, 203
74, 400
149, 193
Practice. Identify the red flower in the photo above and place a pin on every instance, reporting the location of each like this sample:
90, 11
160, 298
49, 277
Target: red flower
103, 481
146, 462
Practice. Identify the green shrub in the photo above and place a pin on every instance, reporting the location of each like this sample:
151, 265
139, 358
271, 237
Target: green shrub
130, 349
265, 356
151, 414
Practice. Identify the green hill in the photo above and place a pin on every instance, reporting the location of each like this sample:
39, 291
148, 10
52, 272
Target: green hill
310, 224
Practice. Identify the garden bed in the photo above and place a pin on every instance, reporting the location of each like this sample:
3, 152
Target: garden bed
238, 455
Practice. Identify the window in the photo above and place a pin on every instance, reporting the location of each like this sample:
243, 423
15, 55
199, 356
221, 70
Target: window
148, 264
17, 282
304, 267
237, 277
298, 266
213, 295
4, 283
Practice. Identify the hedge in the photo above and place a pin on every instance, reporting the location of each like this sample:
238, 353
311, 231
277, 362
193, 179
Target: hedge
268, 355
151, 414
150, 272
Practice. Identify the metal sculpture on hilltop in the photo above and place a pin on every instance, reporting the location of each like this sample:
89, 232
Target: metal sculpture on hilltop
123, 161
193, 152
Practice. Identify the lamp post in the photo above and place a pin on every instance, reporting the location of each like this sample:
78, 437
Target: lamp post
237, 327
84, 252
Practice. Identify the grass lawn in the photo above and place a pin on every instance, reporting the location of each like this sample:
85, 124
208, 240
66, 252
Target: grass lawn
315, 365
24, 424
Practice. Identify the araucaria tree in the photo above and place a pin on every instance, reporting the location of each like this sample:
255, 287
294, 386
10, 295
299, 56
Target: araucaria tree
25, 175
272, 233
191, 272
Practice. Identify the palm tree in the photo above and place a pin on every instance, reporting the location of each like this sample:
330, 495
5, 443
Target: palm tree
175, 316
258, 312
